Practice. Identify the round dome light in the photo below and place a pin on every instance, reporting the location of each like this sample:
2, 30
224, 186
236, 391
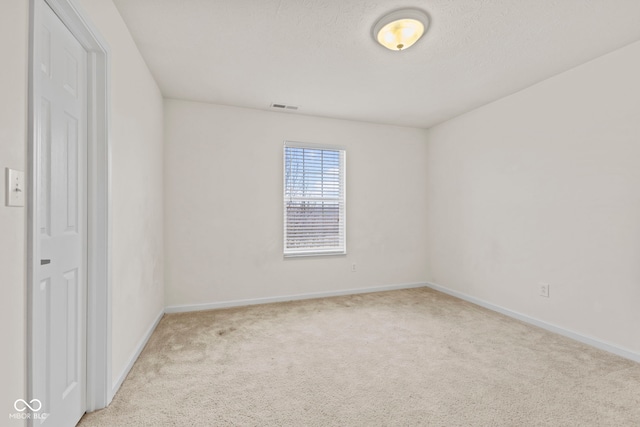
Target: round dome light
400, 29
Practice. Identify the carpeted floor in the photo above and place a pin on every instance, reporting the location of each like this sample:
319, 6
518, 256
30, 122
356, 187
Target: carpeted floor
402, 358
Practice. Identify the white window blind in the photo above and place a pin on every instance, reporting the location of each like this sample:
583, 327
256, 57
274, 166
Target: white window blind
314, 200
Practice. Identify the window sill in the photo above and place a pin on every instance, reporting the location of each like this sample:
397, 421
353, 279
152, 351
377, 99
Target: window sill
314, 254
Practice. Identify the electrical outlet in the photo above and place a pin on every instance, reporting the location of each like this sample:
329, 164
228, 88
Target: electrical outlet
544, 290
353, 268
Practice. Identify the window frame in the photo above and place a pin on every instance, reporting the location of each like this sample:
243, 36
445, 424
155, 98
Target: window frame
310, 252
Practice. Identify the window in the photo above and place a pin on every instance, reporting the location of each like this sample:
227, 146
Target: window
314, 200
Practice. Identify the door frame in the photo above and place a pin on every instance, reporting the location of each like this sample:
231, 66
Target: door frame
98, 375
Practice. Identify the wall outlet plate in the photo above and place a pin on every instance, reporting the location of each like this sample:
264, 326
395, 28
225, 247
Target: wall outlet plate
14, 188
544, 290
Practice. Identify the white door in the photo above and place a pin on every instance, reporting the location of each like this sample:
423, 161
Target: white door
59, 301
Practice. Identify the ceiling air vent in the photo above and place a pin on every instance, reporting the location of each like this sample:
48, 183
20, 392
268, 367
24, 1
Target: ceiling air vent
284, 107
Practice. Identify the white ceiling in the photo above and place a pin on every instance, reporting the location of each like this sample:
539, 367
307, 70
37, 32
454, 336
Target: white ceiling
320, 55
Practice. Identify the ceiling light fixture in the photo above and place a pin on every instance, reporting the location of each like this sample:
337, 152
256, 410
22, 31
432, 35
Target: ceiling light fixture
400, 29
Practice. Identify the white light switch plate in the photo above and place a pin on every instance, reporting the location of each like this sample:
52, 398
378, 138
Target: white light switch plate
15, 187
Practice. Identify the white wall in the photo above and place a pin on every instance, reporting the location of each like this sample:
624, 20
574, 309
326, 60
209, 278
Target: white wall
136, 178
544, 185
136, 138
223, 205
14, 23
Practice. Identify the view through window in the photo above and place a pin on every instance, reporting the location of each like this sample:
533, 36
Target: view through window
314, 200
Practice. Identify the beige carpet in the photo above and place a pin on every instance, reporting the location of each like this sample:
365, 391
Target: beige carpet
401, 358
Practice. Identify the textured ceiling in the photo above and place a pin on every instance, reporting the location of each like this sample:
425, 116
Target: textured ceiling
320, 55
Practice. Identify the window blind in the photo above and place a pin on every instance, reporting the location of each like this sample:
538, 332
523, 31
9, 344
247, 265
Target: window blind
314, 200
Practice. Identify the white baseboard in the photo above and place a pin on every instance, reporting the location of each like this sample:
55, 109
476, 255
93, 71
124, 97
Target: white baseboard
123, 375
255, 301
602, 345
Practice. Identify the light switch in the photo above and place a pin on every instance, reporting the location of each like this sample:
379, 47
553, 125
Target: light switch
15, 187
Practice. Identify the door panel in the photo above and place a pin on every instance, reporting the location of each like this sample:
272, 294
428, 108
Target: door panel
59, 315
44, 187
